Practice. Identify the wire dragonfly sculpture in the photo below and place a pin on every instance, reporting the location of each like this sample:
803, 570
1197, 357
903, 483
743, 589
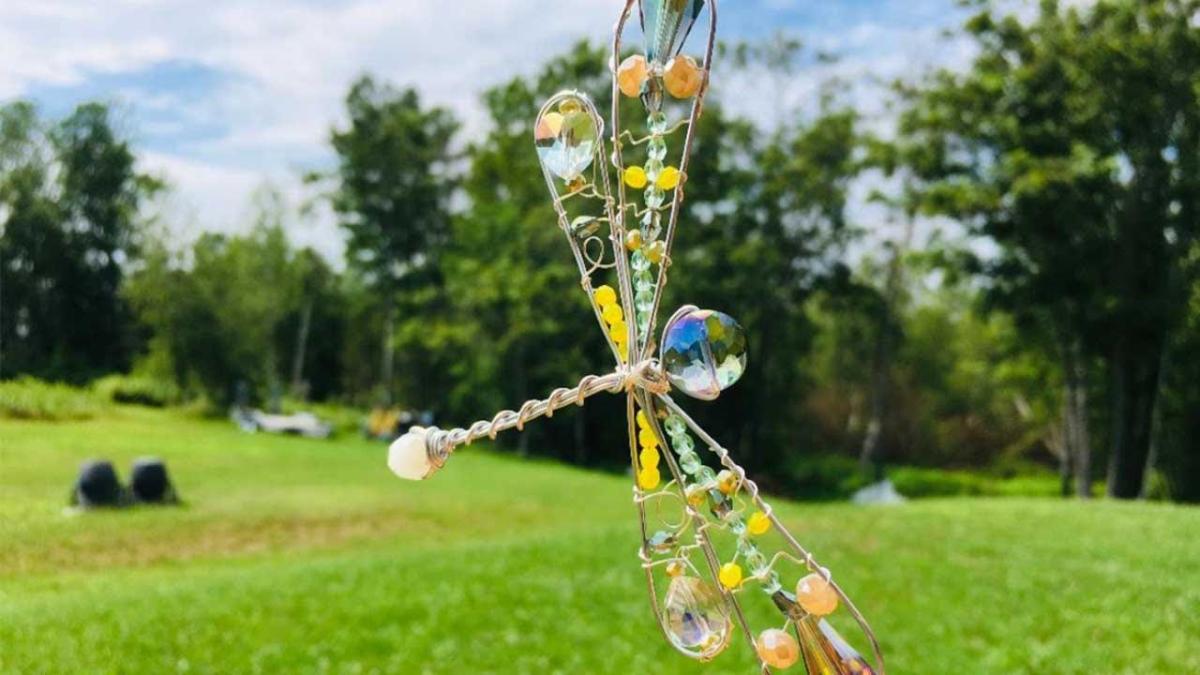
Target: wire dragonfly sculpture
696, 513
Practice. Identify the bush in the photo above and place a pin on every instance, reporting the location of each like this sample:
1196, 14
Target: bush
836, 477
137, 390
30, 398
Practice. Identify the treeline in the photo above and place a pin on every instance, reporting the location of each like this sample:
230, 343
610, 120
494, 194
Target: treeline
1051, 323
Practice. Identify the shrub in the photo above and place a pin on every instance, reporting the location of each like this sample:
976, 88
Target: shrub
137, 390
30, 398
837, 477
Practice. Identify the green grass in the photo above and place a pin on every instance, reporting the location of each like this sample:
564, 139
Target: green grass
303, 556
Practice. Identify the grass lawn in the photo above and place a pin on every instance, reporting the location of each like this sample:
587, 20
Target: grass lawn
303, 556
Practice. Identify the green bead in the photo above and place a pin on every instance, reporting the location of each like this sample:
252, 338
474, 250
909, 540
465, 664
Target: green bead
654, 169
654, 197
771, 583
639, 262
657, 123
684, 443
675, 425
657, 148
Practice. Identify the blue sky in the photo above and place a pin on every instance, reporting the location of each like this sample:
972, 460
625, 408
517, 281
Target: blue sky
223, 95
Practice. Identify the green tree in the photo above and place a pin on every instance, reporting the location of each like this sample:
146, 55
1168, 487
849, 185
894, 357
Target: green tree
69, 201
216, 312
1071, 142
391, 193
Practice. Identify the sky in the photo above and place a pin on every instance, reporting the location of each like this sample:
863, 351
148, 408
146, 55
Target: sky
223, 96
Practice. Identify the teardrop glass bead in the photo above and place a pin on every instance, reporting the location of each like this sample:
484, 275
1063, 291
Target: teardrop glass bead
825, 652
695, 618
566, 135
666, 24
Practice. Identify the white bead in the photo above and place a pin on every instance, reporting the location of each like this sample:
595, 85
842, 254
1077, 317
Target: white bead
407, 457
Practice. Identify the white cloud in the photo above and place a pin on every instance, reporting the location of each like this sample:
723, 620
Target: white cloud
283, 69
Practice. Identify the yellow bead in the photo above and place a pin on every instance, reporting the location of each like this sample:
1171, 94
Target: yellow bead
648, 438
635, 177
675, 568
633, 240
648, 478
649, 456
655, 252
696, 495
816, 595
731, 575
727, 482
612, 313
777, 648
631, 75
605, 295
619, 331
668, 178
643, 422
682, 77
758, 523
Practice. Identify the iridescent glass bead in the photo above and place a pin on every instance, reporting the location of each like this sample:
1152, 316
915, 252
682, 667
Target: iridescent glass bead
566, 138
703, 352
695, 617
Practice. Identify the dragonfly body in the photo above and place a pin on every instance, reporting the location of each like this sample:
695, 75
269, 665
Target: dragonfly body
687, 511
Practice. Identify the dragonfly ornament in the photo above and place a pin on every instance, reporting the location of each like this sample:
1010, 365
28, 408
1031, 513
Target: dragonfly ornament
688, 512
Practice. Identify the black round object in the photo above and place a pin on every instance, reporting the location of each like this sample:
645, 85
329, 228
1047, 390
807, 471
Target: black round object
150, 483
97, 485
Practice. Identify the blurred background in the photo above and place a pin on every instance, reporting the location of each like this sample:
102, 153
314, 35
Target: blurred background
961, 238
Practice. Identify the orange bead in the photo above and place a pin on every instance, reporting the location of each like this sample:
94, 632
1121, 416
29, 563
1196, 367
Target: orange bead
682, 77
816, 595
631, 75
777, 648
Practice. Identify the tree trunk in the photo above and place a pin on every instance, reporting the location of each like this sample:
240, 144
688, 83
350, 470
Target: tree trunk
388, 354
870, 457
301, 348
1135, 391
1075, 415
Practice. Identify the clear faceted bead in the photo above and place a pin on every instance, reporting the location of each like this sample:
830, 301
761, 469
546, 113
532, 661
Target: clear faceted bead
684, 443
689, 462
676, 426
771, 584
654, 197
566, 136
657, 123
657, 148
638, 262
654, 168
703, 352
695, 617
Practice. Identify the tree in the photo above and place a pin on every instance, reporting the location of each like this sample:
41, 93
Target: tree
392, 191
1071, 143
217, 311
70, 197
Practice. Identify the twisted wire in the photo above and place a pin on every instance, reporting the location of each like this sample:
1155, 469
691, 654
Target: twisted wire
647, 375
